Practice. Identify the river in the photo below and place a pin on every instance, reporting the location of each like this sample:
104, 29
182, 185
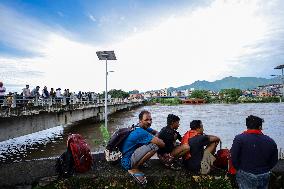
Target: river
223, 120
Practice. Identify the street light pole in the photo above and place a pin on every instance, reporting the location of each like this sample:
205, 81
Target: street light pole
106, 55
281, 67
106, 97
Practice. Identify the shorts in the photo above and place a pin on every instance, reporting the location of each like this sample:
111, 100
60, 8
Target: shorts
140, 152
206, 162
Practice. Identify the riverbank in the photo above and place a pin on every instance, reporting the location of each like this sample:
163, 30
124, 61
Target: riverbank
40, 174
241, 99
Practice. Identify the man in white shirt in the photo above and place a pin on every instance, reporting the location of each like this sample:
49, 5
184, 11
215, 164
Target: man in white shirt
26, 92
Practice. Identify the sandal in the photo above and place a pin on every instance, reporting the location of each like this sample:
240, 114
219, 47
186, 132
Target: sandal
139, 177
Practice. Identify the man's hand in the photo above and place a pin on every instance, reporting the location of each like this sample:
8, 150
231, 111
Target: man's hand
159, 142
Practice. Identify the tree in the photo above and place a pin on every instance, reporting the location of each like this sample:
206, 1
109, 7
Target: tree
231, 95
115, 94
202, 94
118, 93
134, 92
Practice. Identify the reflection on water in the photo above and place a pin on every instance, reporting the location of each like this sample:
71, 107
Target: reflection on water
219, 119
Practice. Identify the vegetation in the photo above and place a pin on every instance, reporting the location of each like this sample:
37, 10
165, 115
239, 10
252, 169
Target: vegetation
229, 82
258, 99
165, 182
105, 134
230, 95
203, 94
134, 92
166, 101
116, 94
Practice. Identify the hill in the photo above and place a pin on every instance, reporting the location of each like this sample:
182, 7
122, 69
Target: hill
229, 82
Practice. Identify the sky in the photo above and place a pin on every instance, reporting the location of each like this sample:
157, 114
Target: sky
158, 43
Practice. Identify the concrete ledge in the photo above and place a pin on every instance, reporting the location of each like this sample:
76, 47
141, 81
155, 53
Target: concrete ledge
105, 174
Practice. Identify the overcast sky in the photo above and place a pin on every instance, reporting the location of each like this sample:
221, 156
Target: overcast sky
158, 43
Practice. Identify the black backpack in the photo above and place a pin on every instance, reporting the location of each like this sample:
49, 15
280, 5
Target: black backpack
65, 164
112, 152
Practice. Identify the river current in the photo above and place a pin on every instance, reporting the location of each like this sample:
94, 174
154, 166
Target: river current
223, 120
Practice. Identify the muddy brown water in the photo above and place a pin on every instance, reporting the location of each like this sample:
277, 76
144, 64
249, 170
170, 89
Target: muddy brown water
223, 120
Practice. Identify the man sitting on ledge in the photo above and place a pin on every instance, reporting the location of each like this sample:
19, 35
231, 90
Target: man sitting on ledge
199, 160
140, 146
172, 150
254, 155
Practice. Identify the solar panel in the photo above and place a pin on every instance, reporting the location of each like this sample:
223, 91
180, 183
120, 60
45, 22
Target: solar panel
106, 55
279, 67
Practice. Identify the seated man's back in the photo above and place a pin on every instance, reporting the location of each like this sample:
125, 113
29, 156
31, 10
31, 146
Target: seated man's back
196, 144
258, 153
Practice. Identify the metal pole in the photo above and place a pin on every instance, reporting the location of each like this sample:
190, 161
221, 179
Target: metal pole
282, 79
106, 98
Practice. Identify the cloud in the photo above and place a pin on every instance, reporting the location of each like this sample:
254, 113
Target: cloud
92, 17
206, 43
20, 32
60, 14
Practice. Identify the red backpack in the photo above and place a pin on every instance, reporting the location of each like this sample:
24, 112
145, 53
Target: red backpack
81, 153
224, 161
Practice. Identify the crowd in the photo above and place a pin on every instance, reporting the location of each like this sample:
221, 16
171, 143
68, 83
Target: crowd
27, 93
253, 154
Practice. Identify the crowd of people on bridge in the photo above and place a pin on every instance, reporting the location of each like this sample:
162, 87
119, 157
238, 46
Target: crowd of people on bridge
28, 94
253, 154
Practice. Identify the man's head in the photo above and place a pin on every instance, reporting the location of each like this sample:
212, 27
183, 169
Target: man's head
27, 86
37, 87
173, 121
145, 119
1, 84
197, 125
254, 122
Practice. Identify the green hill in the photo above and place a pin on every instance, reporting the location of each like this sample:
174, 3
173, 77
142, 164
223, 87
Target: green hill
229, 82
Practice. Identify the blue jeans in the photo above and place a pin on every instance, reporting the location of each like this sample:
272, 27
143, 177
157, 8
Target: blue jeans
247, 180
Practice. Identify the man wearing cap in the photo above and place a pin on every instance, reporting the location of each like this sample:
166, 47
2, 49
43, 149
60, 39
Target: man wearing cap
253, 155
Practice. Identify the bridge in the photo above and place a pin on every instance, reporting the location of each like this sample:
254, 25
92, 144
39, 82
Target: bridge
26, 116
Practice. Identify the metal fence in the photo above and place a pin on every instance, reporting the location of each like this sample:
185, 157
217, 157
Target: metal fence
19, 105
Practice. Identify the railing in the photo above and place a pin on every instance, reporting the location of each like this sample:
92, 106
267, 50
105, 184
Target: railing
19, 105
281, 154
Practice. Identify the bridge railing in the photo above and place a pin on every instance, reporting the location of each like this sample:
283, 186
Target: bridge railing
22, 104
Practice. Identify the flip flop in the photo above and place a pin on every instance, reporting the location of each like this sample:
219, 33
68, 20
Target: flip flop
139, 177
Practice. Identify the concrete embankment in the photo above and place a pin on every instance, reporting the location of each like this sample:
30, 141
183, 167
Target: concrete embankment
40, 173
34, 121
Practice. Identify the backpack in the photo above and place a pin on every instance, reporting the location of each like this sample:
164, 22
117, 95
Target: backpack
65, 164
81, 153
112, 151
224, 161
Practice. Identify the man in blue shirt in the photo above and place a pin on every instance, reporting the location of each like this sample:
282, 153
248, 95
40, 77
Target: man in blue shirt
140, 146
253, 155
